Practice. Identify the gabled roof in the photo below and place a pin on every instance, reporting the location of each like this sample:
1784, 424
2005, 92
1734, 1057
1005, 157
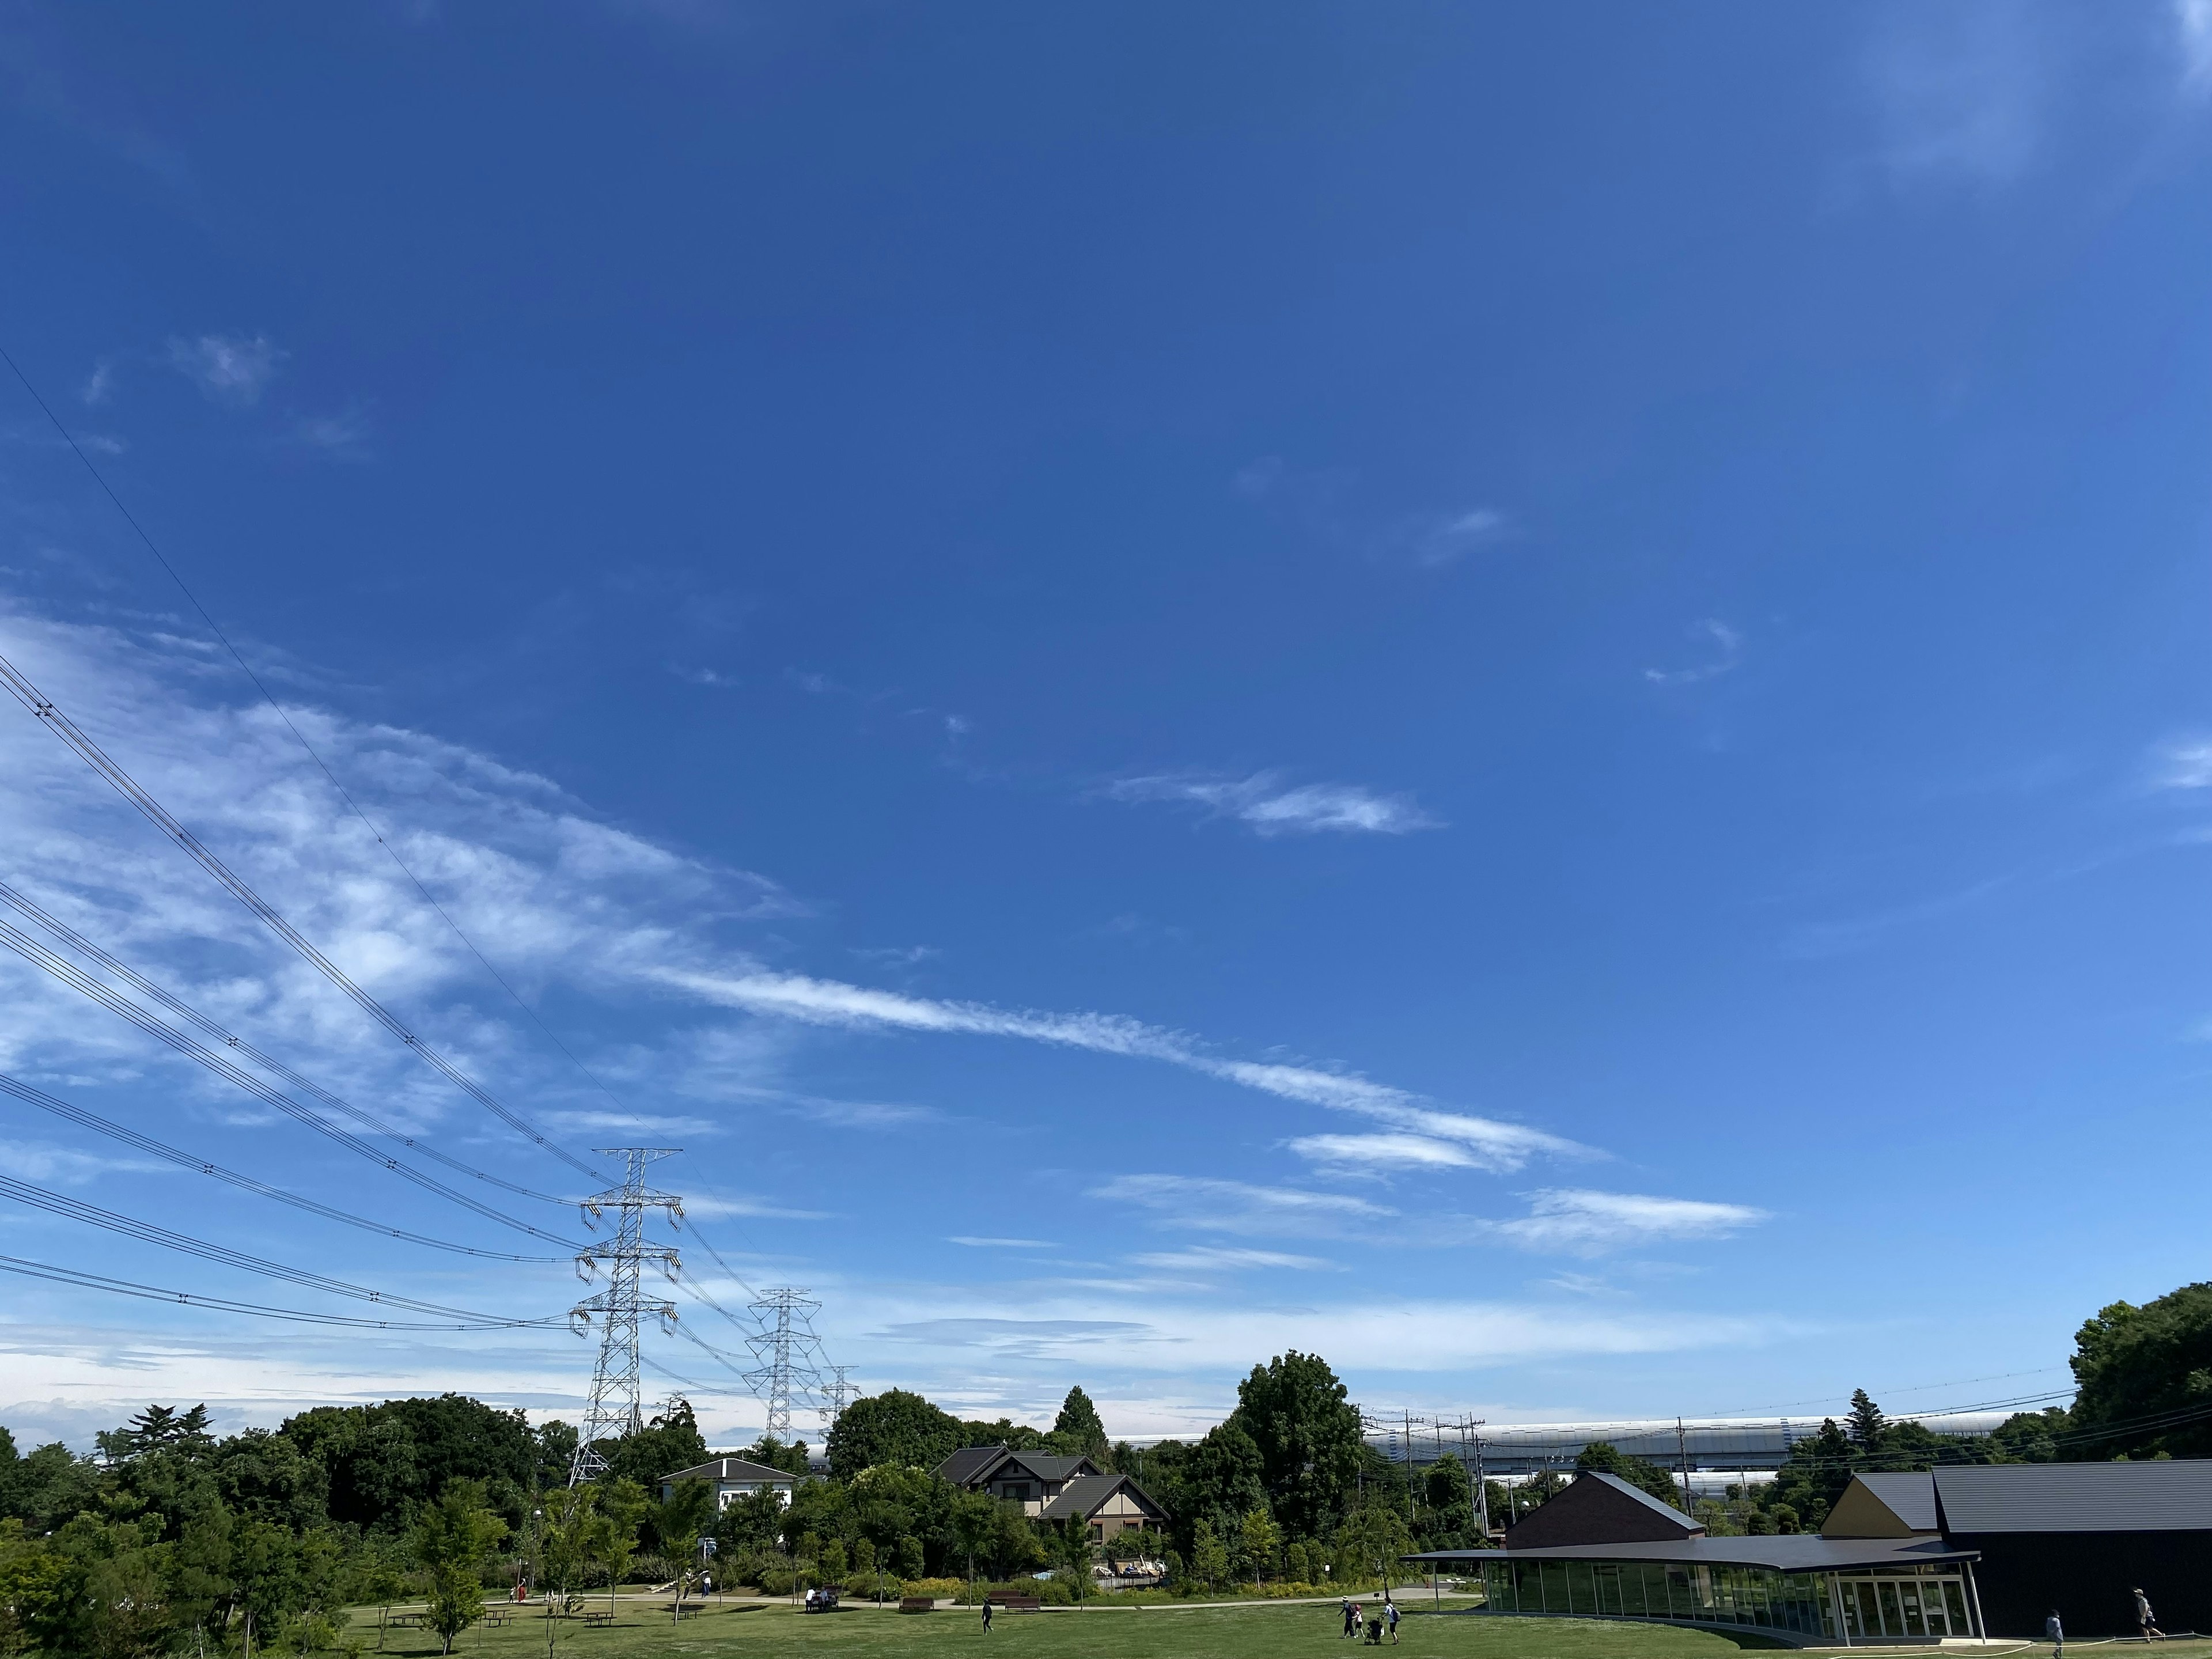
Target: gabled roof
1667, 1511
1051, 1468
1892, 1505
966, 1467
734, 1468
1598, 1509
2152, 1496
1084, 1497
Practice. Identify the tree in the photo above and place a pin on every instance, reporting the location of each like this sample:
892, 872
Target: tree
1603, 1457
453, 1539
1815, 1474
893, 1427
1078, 1433
678, 1524
623, 1504
1222, 1481
1307, 1434
1867, 1424
668, 1442
1261, 1536
1372, 1540
1209, 1558
381, 1583
975, 1518
2132, 1363
265, 1571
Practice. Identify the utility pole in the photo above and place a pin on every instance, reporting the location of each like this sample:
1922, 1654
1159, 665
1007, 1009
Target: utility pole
1682, 1457
787, 1350
614, 1409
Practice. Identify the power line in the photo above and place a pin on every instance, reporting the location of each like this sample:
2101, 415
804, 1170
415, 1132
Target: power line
238, 1045
216, 628
92, 1215
160, 816
71, 974
129, 1136
344, 794
155, 1293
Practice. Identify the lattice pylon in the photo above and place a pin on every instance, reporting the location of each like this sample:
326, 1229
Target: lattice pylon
615, 1409
790, 1355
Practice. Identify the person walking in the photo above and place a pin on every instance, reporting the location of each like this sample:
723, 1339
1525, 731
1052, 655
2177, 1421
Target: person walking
1351, 1615
2146, 1620
987, 1613
2056, 1631
1390, 1619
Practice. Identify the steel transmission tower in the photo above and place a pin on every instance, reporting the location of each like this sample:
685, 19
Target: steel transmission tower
615, 1410
789, 1352
837, 1390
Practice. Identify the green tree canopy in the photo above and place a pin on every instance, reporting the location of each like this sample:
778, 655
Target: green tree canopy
452, 1540
669, 1442
2133, 1364
1307, 1434
894, 1427
1078, 1432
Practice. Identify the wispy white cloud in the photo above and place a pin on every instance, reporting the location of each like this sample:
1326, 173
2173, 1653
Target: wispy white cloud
1493, 1145
1578, 1221
1717, 632
1201, 1257
1274, 807
228, 368
1450, 536
707, 677
975, 1243
1235, 1206
2192, 31
343, 436
2185, 763
1391, 1151
66, 1167
99, 385
1957, 92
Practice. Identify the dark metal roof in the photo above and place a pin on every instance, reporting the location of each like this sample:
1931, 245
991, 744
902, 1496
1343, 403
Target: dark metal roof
1051, 1468
1786, 1552
2153, 1497
1080, 1498
734, 1468
966, 1464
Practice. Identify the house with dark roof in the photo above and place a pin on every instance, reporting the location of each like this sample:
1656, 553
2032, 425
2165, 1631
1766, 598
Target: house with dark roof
1033, 1479
1907, 1558
733, 1478
1109, 1504
1057, 1489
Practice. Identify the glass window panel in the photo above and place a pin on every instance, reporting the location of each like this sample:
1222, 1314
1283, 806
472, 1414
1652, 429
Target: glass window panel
1581, 1596
1954, 1605
1892, 1612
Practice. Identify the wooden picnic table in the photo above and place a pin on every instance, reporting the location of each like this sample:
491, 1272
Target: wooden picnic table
406, 1620
597, 1615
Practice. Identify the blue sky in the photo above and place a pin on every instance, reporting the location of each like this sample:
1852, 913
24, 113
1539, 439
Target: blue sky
1517, 694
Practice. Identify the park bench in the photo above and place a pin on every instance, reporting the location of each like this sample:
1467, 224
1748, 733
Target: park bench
917, 1604
1016, 1603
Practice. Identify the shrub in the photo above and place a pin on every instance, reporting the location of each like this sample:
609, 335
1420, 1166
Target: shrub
932, 1587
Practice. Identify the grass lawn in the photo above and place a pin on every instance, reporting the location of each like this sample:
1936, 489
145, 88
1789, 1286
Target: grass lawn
1256, 1631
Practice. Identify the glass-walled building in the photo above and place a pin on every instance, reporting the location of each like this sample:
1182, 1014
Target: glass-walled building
1605, 1549
1800, 1588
